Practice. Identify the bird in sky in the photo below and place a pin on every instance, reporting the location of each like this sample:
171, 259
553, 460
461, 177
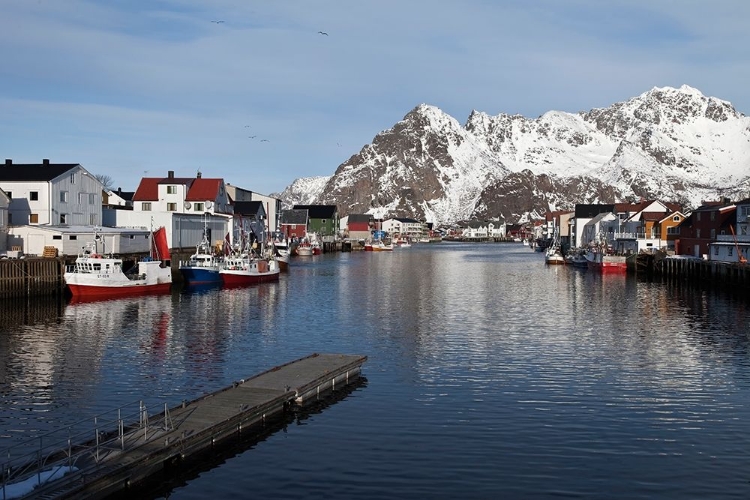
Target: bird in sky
217, 22
264, 140
247, 126
323, 33
252, 136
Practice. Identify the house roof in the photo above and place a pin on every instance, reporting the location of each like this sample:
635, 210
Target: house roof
44, 172
318, 211
406, 220
203, 189
360, 218
588, 211
294, 216
249, 208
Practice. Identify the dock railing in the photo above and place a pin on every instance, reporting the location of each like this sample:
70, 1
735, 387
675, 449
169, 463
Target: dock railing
49, 456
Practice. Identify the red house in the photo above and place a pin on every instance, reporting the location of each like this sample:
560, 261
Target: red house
700, 228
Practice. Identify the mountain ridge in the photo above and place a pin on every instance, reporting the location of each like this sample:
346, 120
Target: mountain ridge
668, 143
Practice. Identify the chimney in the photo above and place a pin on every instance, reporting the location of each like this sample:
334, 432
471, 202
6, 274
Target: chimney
170, 174
119, 191
198, 175
8, 161
45, 161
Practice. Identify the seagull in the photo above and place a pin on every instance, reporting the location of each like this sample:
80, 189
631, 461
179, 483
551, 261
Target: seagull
264, 140
323, 33
247, 126
252, 136
217, 22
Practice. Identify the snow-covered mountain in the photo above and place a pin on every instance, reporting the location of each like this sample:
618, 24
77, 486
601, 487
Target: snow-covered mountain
671, 144
303, 191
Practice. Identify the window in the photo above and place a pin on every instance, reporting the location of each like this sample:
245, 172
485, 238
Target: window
171, 189
73, 178
743, 229
57, 236
716, 249
171, 207
92, 219
73, 237
34, 219
34, 196
697, 233
730, 251
676, 218
63, 196
146, 206
92, 199
81, 198
713, 233
10, 195
63, 218
198, 207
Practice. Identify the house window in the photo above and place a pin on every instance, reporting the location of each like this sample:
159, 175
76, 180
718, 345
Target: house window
697, 233
34, 196
198, 207
171, 207
63, 196
676, 218
73, 178
171, 189
743, 229
34, 219
73, 237
92, 199
713, 233
57, 236
63, 218
92, 219
716, 249
10, 195
730, 251
81, 198
146, 206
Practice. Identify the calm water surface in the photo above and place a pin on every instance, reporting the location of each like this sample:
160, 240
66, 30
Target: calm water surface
489, 375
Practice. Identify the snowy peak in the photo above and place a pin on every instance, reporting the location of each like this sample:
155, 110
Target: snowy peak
671, 144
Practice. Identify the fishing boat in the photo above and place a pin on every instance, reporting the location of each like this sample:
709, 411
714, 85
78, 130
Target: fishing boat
605, 262
309, 246
203, 266
98, 276
554, 256
381, 246
246, 269
577, 258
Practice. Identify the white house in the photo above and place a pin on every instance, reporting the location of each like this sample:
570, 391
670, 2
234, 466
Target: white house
734, 245
70, 240
184, 206
51, 194
271, 205
403, 226
4, 203
596, 230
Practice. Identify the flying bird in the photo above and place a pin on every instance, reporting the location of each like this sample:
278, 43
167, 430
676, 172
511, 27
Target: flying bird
264, 140
217, 22
252, 136
323, 33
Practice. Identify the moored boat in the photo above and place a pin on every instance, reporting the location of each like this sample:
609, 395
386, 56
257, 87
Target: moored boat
554, 256
97, 276
243, 270
606, 263
203, 266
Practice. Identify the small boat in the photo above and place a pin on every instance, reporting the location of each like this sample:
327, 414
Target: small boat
309, 246
203, 266
605, 262
240, 270
577, 258
97, 276
554, 256
281, 253
381, 246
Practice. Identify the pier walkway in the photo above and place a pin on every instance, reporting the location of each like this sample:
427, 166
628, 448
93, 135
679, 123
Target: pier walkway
127, 453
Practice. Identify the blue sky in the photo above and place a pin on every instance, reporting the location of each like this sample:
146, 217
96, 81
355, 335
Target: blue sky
134, 88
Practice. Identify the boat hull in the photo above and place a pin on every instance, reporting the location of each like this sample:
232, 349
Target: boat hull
84, 291
200, 275
241, 278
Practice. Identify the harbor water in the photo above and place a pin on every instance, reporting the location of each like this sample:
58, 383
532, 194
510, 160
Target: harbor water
489, 375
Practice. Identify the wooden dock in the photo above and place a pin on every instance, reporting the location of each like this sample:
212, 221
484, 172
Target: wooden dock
129, 453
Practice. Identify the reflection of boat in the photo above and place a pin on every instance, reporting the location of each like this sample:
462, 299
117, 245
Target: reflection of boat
97, 276
203, 266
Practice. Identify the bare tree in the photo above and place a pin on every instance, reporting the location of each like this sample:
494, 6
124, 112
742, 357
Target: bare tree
107, 181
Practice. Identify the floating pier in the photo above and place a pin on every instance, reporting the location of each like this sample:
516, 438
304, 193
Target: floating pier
124, 453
